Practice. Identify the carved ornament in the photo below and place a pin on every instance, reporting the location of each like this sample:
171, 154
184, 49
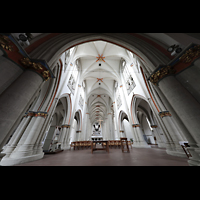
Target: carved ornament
136, 125
176, 66
37, 67
165, 114
5, 43
65, 126
190, 54
163, 72
36, 114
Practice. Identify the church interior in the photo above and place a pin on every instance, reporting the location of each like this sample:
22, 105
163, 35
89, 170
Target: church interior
64, 96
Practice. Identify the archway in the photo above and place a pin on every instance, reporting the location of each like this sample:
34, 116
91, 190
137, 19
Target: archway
142, 119
144, 50
76, 126
143, 53
125, 128
56, 133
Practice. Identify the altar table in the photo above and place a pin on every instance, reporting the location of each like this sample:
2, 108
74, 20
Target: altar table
93, 148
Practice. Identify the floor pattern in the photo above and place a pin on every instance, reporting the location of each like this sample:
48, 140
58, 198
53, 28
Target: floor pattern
115, 157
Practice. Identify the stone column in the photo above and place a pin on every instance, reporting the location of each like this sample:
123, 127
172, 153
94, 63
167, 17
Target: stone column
110, 124
122, 134
63, 138
25, 147
135, 137
16, 136
66, 139
158, 138
186, 107
62, 135
14, 100
78, 135
141, 143
175, 135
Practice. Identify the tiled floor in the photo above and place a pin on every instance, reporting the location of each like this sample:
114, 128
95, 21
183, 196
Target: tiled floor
115, 157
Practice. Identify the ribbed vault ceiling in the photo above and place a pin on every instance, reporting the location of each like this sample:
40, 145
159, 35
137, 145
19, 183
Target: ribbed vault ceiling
100, 63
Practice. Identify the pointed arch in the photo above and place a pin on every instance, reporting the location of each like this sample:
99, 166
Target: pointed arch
122, 116
69, 106
78, 117
138, 103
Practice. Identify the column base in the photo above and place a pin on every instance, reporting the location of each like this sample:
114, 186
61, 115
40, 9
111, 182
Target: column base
161, 145
2, 155
194, 162
176, 153
140, 145
66, 148
15, 161
195, 159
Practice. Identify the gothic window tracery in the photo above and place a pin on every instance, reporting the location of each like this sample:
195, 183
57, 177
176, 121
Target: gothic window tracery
119, 100
81, 102
71, 84
72, 80
130, 83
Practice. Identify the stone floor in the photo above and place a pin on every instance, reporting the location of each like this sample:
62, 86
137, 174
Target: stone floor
115, 157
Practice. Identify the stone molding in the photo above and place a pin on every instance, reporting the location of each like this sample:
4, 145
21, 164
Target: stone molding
65, 126
14, 52
5, 43
183, 61
36, 114
164, 114
37, 67
135, 125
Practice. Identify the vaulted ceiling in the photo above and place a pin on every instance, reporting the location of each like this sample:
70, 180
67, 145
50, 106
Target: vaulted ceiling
100, 63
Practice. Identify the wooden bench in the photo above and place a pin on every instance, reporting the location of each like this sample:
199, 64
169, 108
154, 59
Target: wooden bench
80, 145
87, 144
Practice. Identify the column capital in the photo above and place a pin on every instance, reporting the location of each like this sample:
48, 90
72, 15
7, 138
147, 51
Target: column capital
5, 43
135, 125
38, 66
65, 126
13, 50
36, 114
181, 62
164, 114
161, 72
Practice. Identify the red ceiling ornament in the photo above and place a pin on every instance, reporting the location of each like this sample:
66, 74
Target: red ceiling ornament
100, 79
100, 58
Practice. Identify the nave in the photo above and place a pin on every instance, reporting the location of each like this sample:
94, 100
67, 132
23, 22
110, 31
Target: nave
60, 88
137, 157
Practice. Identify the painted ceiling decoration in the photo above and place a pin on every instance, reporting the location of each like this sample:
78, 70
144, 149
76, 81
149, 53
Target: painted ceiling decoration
100, 58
